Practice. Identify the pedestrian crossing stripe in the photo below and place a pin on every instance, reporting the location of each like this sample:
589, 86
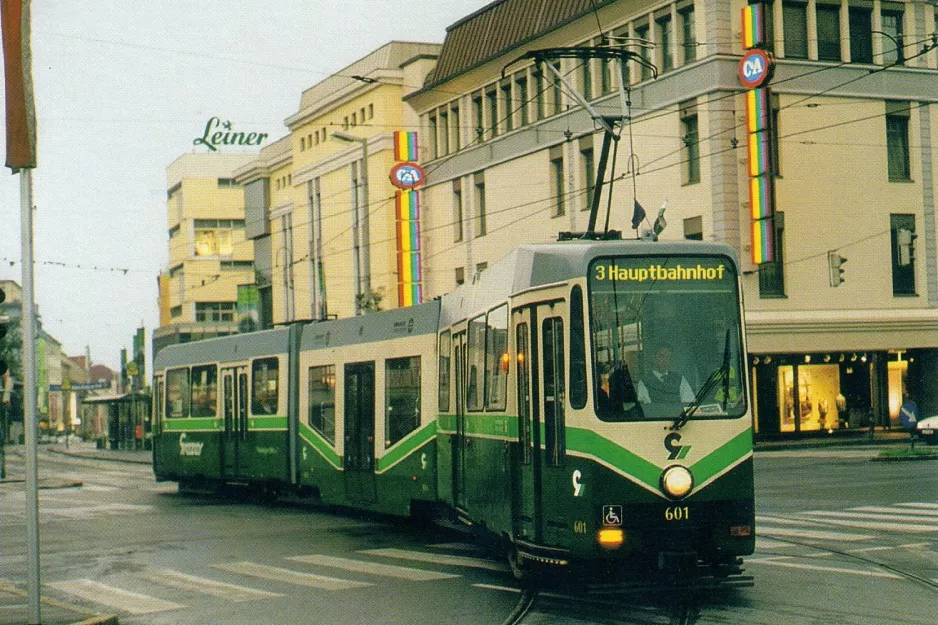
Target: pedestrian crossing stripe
862, 520
363, 566
288, 576
183, 581
924, 513
437, 558
784, 561
811, 534
912, 504
113, 597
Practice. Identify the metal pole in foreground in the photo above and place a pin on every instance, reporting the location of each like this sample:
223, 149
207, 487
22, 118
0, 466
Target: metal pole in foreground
29, 397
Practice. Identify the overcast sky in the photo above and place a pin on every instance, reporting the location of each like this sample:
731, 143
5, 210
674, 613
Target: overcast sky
122, 89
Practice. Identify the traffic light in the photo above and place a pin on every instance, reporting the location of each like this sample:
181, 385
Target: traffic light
4, 326
905, 239
836, 265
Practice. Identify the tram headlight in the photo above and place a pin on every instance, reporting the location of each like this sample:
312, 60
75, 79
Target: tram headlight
677, 481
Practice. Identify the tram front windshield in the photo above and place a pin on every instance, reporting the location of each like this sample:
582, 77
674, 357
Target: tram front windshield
666, 338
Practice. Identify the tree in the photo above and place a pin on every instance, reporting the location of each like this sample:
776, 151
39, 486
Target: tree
11, 349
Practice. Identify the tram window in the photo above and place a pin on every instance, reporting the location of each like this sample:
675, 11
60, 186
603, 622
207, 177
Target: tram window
264, 395
402, 397
204, 391
496, 359
553, 369
475, 374
445, 347
177, 394
322, 401
577, 349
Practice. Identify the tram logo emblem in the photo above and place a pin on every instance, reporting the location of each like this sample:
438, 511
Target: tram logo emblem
189, 449
612, 515
675, 451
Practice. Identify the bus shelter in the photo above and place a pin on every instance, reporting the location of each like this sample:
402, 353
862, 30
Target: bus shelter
128, 420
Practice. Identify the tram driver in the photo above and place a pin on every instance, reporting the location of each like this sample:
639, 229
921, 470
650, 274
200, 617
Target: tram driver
661, 384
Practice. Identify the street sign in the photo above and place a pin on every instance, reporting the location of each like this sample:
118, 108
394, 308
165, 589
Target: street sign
81, 386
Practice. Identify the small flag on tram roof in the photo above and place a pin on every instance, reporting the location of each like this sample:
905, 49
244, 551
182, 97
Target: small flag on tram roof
638, 214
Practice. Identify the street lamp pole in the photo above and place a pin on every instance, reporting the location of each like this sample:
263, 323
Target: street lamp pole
363, 234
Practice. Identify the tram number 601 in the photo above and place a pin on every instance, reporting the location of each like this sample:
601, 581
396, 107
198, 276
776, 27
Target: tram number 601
677, 513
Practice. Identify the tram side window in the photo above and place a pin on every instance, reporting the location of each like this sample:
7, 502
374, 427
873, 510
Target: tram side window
204, 391
445, 347
322, 401
264, 389
402, 397
177, 394
552, 364
577, 349
497, 359
475, 383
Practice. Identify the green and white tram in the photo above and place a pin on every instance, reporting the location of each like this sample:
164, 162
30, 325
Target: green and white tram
584, 401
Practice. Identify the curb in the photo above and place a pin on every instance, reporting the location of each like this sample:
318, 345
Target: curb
94, 456
915, 458
104, 619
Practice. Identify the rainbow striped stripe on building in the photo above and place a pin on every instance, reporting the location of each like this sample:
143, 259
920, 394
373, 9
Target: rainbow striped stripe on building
410, 284
405, 146
753, 31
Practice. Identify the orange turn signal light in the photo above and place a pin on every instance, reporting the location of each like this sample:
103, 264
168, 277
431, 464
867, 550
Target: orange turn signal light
611, 537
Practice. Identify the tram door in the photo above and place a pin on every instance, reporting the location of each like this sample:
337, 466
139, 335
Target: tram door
539, 345
360, 431
526, 499
234, 382
459, 439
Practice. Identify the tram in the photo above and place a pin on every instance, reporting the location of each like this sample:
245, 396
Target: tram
585, 402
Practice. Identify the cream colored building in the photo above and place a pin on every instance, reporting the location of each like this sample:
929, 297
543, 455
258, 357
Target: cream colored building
320, 210
209, 255
510, 155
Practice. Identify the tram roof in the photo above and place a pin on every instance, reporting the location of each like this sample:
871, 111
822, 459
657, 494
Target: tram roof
548, 263
224, 348
372, 327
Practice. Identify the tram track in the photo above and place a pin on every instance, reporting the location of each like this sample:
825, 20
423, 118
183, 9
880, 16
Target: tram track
923, 581
523, 607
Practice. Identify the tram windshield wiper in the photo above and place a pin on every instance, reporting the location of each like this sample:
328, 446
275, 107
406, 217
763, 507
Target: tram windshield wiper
720, 373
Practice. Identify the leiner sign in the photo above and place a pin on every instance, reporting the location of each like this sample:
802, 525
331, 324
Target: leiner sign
218, 133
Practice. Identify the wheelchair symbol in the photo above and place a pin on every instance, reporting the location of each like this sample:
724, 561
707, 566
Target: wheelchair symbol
612, 515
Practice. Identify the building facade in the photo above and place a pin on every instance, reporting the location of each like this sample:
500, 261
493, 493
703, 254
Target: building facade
320, 208
511, 156
209, 256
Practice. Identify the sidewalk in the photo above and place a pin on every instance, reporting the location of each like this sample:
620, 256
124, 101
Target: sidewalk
83, 449
859, 437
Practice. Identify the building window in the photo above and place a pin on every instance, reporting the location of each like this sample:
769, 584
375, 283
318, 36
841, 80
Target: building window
897, 141
892, 37
557, 181
457, 211
491, 98
540, 101
586, 77
302, 144
457, 130
521, 84
795, 18
690, 140
460, 275
902, 235
227, 182
587, 171
480, 267
478, 117
688, 33
828, 32
861, 35
214, 311
508, 107
775, 163
556, 91
665, 43
479, 190
431, 126
693, 228
443, 134
402, 398
371, 111
772, 275
175, 311
641, 32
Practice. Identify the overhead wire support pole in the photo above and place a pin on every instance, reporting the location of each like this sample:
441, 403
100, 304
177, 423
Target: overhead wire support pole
606, 53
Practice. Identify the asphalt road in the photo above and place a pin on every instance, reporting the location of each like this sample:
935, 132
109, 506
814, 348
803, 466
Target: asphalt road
841, 539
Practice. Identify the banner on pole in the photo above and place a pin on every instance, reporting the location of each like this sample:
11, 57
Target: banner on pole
17, 66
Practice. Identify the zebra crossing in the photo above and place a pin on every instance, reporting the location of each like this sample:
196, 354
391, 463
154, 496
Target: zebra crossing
904, 527
371, 567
